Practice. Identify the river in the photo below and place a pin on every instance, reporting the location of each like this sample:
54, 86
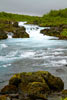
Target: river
39, 52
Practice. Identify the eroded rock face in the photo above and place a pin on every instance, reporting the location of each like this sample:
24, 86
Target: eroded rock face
34, 85
3, 34
20, 33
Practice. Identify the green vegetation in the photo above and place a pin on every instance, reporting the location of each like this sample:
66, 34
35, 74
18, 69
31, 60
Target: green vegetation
53, 18
64, 32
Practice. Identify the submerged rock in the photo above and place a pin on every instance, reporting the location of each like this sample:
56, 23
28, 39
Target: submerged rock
34, 85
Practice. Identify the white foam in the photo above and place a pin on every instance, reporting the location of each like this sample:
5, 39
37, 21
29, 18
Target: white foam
21, 23
7, 65
27, 54
62, 62
34, 31
57, 53
9, 36
4, 46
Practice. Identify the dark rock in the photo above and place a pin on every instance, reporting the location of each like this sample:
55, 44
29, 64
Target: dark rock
9, 89
36, 85
15, 24
64, 92
55, 31
3, 34
20, 33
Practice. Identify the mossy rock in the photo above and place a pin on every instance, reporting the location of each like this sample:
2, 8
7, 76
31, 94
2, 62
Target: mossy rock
64, 92
9, 89
15, 80
54, 83
15, 24
34, 90
37, 88
3, 34
65, 99
36, 84
20, 33
4, 97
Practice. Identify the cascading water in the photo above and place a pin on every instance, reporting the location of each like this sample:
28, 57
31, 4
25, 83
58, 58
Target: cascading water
34, 31
10, 35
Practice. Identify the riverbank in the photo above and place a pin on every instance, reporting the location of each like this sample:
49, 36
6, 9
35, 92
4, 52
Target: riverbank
59, 31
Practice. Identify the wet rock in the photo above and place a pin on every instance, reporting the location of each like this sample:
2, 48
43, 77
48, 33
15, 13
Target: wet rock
64, 92
15, 24
20, 33
56, 31
15, 80
35, 85
9, 89
3, 34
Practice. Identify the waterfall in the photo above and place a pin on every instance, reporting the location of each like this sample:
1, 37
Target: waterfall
10, 35
34, 31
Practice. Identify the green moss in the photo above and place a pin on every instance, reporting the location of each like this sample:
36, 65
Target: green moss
9, 89
64, 32
3, 98
65, 99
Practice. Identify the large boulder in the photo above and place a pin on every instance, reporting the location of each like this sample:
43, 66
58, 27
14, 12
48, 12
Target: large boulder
20, 33
36, 85
3, 34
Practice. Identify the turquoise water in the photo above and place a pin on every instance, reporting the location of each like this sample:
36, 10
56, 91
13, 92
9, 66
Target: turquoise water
35, 53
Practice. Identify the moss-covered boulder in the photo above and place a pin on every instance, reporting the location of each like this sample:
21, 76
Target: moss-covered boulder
20, 33
35, 85
9, 89
15, 80
3, 34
